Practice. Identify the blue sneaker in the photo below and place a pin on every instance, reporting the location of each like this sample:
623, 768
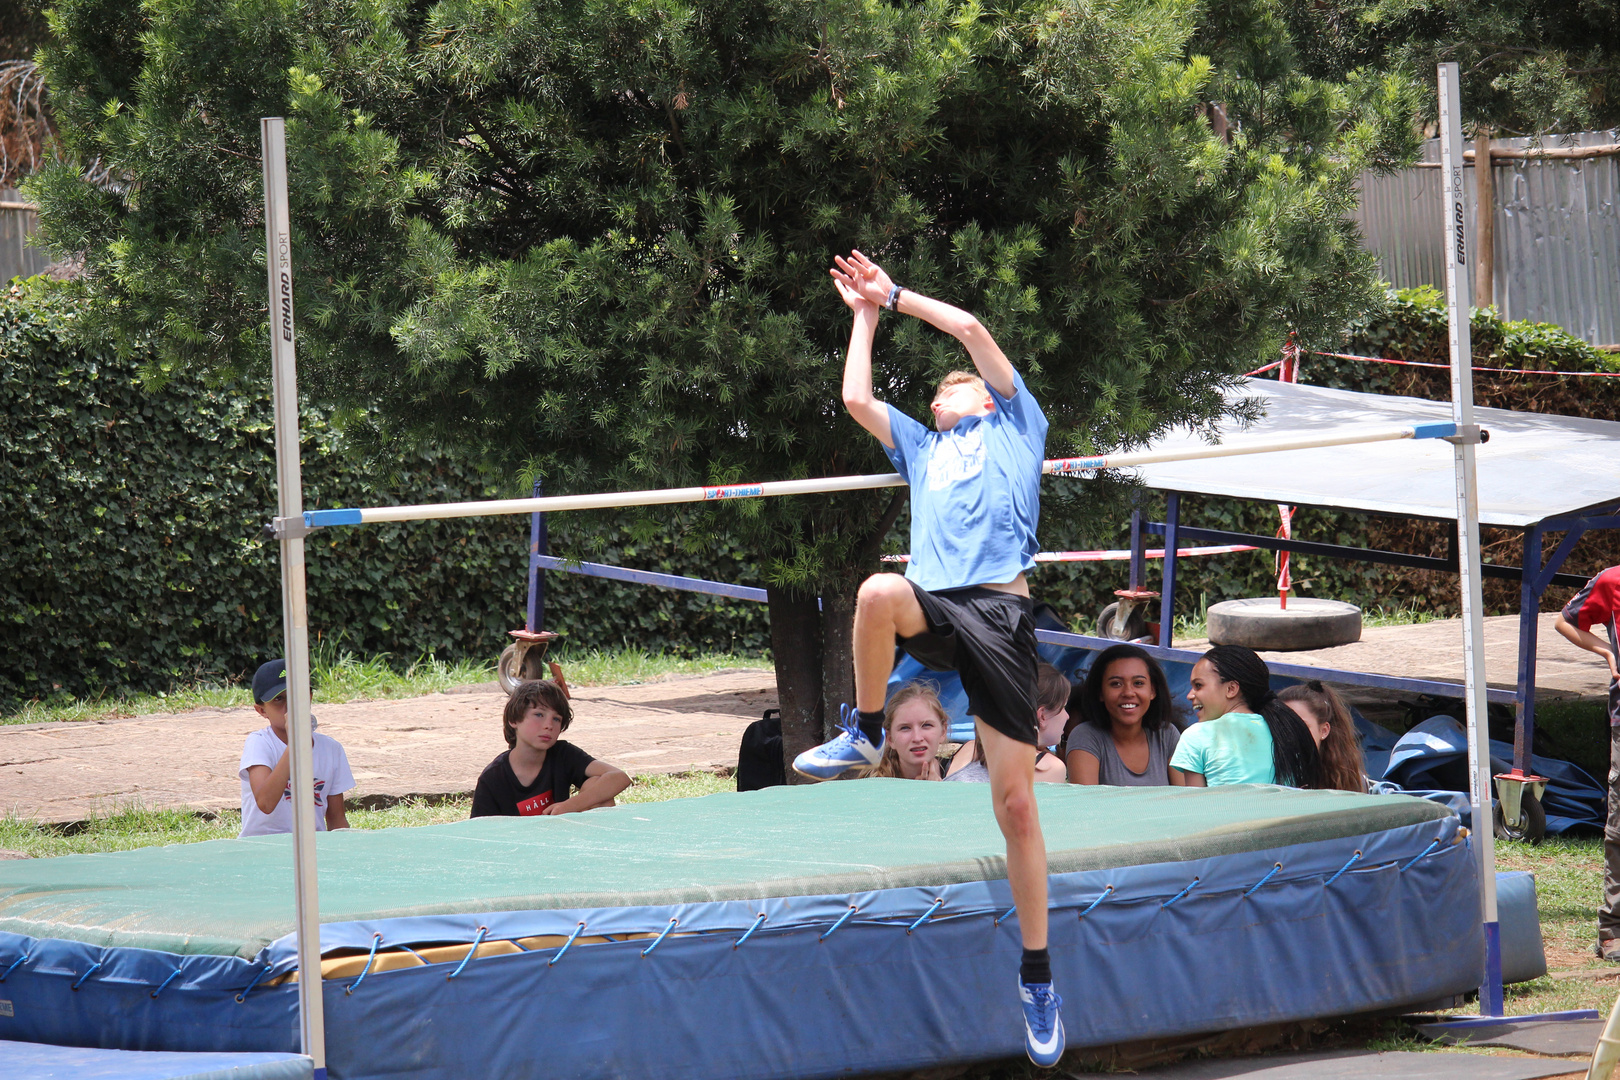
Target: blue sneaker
1043, 1023
851, 749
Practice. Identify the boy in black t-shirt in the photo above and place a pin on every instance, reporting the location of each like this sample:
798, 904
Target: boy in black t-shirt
538, 773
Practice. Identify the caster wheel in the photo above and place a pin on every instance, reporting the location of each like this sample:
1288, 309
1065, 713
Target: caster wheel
1531, 828
1109, 627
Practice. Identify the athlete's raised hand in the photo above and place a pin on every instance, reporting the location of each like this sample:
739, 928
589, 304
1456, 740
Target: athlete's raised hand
859, 304
864, 276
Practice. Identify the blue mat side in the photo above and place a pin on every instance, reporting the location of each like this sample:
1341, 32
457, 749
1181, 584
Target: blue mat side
36, 1061
1398, 926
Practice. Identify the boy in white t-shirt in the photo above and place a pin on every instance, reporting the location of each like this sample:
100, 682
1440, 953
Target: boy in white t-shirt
266, 791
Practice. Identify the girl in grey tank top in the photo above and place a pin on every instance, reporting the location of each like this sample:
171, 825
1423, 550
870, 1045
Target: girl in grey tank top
1125, 737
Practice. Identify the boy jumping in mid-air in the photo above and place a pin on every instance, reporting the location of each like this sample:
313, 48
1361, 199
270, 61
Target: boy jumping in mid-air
963, 604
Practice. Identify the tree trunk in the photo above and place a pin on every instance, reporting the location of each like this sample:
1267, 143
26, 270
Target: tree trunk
796, 644
837, 654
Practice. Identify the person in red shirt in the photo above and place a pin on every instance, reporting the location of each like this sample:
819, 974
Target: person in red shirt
1597, 604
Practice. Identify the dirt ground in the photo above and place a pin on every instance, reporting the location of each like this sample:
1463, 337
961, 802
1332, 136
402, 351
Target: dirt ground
431, 745
438, 744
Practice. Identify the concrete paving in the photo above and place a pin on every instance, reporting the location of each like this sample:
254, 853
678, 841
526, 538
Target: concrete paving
433, 745
1434, 650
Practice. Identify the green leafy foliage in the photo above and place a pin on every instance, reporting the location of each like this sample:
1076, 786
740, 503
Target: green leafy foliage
131, 556
592, 239
1528, 66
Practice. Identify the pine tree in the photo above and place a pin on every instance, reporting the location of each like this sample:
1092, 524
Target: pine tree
591, 240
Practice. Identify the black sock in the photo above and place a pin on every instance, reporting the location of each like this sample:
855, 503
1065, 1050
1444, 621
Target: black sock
1036, 968
871, 726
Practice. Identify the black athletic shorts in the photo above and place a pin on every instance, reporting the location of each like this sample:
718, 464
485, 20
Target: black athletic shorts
988, 638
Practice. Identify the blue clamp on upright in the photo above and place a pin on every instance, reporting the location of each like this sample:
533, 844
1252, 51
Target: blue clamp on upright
1436, 430
319, 519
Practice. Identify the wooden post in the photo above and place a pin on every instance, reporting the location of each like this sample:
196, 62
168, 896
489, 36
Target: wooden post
1484, 221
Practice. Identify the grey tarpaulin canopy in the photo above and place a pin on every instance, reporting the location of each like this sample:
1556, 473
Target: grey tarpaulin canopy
1539, 473
1535, 467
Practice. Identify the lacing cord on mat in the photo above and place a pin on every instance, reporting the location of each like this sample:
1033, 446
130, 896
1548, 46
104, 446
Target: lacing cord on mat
249, 988
750, 931
477, 941
1252, 889
376, 939
1107, 891
842, 919
939, 902
1352, 861
760, 919
659, 940
1432, 845
91, 971
165, 983
566, 945
14, 965
1191, 885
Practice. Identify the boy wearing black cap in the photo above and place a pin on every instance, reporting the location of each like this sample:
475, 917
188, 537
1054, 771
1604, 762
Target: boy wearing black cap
266, 791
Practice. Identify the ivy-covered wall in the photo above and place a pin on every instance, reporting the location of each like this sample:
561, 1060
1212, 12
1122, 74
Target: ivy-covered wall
131, 555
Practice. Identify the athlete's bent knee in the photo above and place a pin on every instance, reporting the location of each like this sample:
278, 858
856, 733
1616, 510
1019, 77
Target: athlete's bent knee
1018, 811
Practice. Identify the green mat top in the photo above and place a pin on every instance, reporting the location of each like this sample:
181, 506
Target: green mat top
232, 897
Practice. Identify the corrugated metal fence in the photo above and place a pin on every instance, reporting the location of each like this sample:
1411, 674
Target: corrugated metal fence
18, 258
1557, 234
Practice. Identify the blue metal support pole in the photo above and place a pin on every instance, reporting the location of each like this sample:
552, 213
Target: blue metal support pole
538, 542
1529, 611
1172, 541
1138, 547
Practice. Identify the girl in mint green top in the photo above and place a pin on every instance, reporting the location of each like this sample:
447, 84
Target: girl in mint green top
1234, 748
1244, 734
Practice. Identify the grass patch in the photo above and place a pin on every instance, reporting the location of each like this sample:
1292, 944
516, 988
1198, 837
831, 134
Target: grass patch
1407, 616
597, 667
1569, 887
136, 827
342, 676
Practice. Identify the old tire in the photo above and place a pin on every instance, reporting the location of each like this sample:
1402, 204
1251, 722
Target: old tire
1262, 624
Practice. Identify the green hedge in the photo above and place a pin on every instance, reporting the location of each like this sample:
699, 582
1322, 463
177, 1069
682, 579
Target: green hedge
131, 558
130, 555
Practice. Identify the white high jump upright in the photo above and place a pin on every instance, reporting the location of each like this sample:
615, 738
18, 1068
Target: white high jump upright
1458, 289
294, 609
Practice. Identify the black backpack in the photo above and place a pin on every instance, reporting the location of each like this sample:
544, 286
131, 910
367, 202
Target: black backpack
759, 759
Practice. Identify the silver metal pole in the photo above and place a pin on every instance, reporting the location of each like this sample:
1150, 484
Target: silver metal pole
294, 613
1462, 413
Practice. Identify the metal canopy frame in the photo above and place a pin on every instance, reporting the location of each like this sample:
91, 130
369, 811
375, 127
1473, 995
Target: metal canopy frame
1544, 573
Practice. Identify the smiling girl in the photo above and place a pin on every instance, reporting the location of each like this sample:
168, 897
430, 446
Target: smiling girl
1125, 737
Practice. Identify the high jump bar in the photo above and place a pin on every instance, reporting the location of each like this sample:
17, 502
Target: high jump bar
607, 500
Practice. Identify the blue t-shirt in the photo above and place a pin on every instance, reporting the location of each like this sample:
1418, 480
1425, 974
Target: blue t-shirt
975, 492
1230, 749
